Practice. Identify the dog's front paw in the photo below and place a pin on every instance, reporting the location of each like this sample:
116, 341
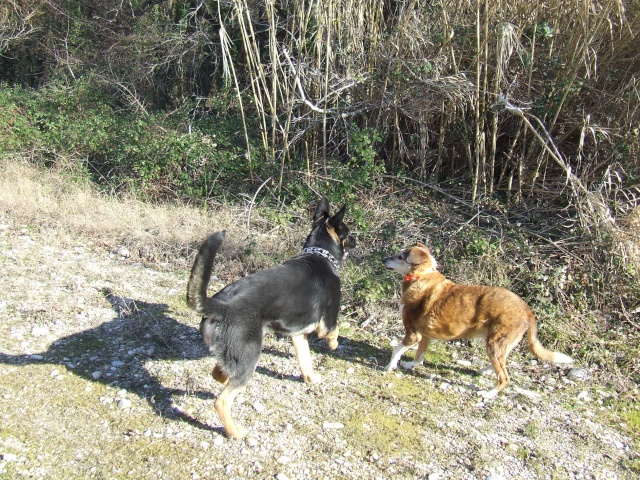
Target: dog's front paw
390, 367
408, 365
312, 378
237, 432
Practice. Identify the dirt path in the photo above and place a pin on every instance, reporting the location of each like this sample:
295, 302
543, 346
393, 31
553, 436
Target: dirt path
103, 375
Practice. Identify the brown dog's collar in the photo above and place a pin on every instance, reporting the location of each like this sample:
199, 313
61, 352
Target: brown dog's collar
415, 276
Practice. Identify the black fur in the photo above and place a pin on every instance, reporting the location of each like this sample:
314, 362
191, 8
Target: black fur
295, 298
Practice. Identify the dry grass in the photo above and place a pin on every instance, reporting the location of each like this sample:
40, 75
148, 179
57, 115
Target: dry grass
156, 233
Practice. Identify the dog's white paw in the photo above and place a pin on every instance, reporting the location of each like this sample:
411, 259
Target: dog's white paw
390, 367
408, 365
313, 378
488, 395
237, 432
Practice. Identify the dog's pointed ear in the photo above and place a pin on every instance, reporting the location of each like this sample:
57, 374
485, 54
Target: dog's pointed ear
336, 220
322, 210
421, 245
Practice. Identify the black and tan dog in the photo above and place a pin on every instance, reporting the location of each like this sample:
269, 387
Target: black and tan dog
434, 307
296, 298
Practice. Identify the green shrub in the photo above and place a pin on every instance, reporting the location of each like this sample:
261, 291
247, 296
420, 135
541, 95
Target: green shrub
153, 155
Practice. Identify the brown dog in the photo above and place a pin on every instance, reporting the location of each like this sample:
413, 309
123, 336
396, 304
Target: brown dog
434, 307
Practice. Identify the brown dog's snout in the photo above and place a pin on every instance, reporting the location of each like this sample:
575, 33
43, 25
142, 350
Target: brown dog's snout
387, 260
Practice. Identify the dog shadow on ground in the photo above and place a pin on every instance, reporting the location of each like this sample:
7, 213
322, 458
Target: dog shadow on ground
116, 353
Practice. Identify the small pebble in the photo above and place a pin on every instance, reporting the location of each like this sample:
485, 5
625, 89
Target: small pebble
9, 457
578, 374
281, 476
219, 440
96, 375
259, 407
124, 403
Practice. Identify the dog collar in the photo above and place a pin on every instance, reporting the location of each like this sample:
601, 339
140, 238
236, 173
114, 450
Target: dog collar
323, 253
415, 276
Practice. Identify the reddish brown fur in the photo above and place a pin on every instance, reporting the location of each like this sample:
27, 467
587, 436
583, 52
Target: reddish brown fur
437, 308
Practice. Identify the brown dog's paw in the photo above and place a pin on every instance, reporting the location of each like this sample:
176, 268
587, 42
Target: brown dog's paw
408, 365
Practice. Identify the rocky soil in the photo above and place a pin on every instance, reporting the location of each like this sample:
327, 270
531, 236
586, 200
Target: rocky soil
103, 375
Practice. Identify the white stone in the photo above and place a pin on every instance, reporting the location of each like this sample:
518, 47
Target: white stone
332, 425
124, 403
259, 407
39, 331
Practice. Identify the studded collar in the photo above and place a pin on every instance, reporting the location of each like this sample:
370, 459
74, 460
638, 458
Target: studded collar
323, 253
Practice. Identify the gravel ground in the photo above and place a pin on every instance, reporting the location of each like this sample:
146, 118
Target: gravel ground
103, 375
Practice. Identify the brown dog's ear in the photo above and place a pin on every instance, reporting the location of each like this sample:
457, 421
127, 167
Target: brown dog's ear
418, 255
322, 210
421, 245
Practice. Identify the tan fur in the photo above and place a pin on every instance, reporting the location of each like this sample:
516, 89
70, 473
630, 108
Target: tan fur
434, 307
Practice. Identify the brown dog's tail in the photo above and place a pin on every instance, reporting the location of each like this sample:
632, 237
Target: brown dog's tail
201, 273
539, 351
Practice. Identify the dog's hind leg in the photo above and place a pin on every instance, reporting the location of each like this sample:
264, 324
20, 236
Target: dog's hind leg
422, 348
301, 347
499, 345
330, 337
223, 407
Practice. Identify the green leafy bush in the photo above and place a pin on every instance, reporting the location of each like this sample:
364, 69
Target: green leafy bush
154, 155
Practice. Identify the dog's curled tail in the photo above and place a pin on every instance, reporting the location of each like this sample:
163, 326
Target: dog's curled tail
201, 272
539, 351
